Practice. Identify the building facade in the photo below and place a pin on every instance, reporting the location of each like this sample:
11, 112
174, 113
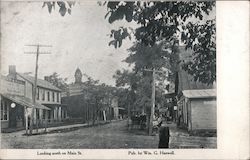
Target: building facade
79, 107
18, 88
197, 110
196, 102
15, 106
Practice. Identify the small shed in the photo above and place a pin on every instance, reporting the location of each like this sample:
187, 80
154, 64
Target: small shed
197, 109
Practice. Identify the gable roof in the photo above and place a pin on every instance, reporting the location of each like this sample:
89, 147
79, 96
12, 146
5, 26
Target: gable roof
186, 81
40, 82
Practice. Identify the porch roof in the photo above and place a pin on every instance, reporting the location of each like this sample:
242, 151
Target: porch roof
201, 93
24, 101
54, 105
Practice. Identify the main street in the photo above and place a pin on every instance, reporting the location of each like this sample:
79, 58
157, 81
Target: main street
109, 136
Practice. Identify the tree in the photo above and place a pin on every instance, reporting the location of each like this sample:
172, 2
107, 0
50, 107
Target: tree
164, 21
64, 6
98, 96
57, 81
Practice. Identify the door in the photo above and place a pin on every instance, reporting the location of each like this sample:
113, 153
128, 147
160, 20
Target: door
12, 117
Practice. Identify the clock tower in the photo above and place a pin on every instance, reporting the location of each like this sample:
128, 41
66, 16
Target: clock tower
78, 76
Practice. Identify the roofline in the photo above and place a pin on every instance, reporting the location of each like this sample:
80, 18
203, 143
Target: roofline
202, 97
197, 97
49, 88
39, 85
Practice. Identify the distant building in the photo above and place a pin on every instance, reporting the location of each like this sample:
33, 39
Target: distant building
80, 108
77, 87
17, 89
196, 101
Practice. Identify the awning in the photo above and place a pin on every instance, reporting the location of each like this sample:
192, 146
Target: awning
24, 101
201, 93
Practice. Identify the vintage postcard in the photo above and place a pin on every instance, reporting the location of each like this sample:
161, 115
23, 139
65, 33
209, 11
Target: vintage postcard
93, 79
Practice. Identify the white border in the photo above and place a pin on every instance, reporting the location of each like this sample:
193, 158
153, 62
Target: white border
233, 97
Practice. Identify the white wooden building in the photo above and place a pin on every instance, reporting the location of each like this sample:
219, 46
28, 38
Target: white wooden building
197, 109
17, 89
196, 101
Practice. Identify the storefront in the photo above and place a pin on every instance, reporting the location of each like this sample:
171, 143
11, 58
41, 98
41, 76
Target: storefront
15, 110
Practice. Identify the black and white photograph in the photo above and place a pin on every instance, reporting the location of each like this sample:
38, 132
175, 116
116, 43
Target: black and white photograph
89, 79
108, 75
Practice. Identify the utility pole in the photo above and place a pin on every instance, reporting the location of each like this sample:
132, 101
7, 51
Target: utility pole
38, 46
150, 130
129, 111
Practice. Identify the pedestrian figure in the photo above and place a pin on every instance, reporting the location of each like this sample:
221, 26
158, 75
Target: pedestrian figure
164, 137
29, 122
159, 121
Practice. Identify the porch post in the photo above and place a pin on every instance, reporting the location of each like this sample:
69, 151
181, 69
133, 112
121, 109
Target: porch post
59, 113
46, 120
26, 120
52, 115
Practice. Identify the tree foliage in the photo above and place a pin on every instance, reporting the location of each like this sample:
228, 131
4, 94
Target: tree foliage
168, 21
57, 81
64, 6
98, 94
139, 80
165, 21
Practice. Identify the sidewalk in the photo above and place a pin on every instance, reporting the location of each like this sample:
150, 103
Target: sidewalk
65, 128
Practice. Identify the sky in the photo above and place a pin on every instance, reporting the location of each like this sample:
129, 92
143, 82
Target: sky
78, 40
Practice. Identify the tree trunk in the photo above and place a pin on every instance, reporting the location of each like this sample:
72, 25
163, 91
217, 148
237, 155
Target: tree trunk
148, 122
93, 115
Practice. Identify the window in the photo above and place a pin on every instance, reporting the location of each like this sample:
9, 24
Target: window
37, 114
53, 96
4, 111
1, 110
37, 94
57, 97
44, 113
43, 94
48, 96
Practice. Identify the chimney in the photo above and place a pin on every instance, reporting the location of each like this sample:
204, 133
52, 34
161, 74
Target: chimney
12, 72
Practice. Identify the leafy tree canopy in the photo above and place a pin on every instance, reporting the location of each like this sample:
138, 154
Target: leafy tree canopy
57, 81
167, 20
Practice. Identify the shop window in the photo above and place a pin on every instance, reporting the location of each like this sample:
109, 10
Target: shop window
1, 110
37, 114
44, 113
4, 111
